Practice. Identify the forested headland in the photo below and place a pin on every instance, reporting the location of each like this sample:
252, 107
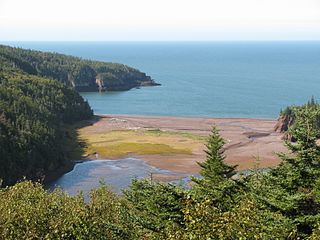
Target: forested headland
83, 75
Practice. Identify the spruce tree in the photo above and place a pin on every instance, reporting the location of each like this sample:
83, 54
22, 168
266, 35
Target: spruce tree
291, 187
214, 169
216, 184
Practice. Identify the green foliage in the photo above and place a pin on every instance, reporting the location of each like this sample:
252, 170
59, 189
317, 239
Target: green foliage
292, 187
34, 113
72, 71
290, 114
157, 207
245, 220
27, 211
217, 183
282, 203
214, 170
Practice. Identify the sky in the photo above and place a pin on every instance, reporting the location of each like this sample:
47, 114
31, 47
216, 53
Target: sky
159, 20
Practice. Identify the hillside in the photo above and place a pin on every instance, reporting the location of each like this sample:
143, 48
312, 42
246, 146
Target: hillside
35, 117
83, 75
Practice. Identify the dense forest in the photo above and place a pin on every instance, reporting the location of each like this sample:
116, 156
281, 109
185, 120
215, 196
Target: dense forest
83, 75
35, 113
281, 203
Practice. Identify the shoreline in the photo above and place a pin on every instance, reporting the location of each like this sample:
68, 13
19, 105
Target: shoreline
184, 117
250, 143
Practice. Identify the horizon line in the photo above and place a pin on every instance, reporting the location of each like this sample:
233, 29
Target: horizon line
160, 41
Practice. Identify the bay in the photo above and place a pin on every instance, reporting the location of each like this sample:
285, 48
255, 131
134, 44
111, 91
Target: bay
205, 79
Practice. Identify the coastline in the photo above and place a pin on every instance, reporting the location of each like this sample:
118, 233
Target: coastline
250, 143
182, 117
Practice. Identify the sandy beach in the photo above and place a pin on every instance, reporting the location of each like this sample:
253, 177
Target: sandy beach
250, 143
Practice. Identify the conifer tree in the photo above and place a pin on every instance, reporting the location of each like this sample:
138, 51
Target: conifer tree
216, 183
214, 169
290, 188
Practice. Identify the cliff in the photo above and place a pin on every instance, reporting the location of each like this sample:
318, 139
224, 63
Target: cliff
284, 122
288, 118
81, 74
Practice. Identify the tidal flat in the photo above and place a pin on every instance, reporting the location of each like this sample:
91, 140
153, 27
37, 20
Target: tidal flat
177, 144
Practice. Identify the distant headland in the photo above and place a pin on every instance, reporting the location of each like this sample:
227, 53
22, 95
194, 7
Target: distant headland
81, 74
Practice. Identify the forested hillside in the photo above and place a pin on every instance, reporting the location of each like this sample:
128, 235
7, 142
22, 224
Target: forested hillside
282, 203
83, 75
34, 115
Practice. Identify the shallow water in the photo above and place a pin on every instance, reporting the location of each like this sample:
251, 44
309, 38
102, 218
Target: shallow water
115, 173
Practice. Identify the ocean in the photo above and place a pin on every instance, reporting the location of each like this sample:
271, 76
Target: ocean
204, 79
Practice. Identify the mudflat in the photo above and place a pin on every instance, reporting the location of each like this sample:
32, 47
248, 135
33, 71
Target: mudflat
178, 143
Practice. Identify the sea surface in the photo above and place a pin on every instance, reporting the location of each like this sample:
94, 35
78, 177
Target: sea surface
207, 79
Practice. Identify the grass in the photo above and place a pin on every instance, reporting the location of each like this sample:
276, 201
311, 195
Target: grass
120, 143
159, 132
123, 149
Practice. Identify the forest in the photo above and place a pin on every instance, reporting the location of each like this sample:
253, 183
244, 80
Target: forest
81, 74
278, 203
35, 118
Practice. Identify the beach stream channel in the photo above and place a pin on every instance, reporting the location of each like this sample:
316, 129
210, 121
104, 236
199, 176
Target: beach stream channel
117, 174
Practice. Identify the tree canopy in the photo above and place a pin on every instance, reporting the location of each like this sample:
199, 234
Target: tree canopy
73, 71
34, 115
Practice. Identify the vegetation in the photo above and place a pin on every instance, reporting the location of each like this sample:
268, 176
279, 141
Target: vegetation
288, 117
84, 75
38, 104
283, 203
120, 143
34, 116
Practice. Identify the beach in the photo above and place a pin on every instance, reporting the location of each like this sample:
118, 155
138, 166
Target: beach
178, 143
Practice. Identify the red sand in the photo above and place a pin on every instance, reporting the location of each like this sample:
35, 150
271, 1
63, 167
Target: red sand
246, 139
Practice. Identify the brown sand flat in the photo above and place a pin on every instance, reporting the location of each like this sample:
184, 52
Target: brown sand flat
246, 139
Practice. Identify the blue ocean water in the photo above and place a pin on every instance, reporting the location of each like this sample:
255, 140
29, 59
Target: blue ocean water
211, 79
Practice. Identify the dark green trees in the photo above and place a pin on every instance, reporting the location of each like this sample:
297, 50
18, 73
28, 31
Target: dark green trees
291, 188
157, 207
216, 182
214, 170
34, 113
72, 71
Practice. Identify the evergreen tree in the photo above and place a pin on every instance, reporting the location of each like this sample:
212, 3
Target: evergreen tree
214, 170
157, 207
290, 188
216, 183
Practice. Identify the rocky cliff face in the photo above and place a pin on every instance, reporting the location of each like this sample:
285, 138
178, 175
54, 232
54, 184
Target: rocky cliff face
120, 81
113, 81
283, 124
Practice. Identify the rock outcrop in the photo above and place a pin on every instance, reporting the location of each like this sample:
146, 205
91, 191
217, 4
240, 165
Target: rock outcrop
283, 124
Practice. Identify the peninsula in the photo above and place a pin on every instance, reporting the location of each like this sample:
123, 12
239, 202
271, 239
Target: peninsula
82, 75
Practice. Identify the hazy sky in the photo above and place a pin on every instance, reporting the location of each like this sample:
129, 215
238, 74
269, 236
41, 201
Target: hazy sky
193, 20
